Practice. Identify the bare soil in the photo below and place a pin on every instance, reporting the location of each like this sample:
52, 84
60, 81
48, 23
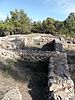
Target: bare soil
30, 82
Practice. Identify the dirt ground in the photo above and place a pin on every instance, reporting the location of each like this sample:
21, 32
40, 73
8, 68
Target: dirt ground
30, 82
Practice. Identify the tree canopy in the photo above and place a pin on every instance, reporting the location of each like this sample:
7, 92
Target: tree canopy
17, 23
56, 27
20, 23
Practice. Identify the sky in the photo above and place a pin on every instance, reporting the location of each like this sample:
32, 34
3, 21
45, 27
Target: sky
39, 9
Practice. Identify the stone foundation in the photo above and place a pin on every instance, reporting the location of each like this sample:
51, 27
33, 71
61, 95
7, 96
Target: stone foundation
60, 84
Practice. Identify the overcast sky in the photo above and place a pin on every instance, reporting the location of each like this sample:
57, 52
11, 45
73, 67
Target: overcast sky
39, 9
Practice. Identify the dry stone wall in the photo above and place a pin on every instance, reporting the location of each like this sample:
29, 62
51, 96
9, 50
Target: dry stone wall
60, 84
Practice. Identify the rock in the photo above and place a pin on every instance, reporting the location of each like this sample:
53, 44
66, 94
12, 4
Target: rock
73, 41
1, 94
13, 94
58, 45
49, 46
60, 84
59, 81
62, 39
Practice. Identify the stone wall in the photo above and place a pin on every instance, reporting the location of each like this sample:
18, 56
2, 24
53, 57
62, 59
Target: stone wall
69, 46
60, 84
23, 41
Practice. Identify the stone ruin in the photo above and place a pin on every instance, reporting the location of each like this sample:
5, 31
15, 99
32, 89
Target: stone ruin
60, 85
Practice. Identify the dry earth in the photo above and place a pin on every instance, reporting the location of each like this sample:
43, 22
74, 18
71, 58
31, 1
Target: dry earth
16, 74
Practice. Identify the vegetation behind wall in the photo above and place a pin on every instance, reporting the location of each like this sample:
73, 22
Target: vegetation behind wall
20, 23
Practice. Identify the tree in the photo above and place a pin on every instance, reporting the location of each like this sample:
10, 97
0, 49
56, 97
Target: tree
59, 27
18, 22
48, 25
37, 27
69, 24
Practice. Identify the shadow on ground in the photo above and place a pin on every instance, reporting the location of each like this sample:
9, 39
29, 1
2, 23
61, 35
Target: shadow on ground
35, 74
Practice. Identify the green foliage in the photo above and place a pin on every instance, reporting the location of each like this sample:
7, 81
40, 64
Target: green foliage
48, 25
36, 27
17, 23
69, 24
20, 23
52, 26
